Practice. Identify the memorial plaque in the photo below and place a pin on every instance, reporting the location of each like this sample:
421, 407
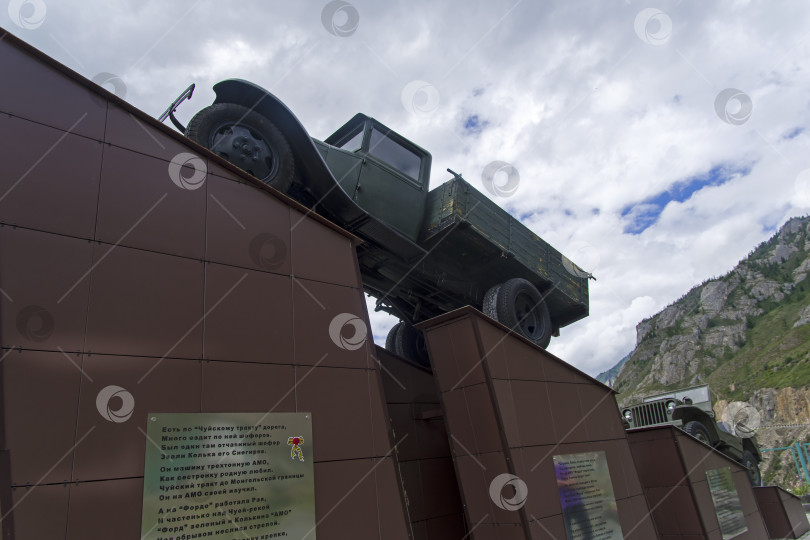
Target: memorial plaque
228, 475
586, 495
726, 502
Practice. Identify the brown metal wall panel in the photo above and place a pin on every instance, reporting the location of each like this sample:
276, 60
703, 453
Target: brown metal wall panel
40, 513
652, 448
154, 279
40, 389
547, 528
247, 387
343, 425
404, 382
782, 512
389, 500
672, 469
108, 509
460, 365
426, 438
315, 306
43, 186
567, 413
526, 416
238, 325
439, 490
320, 254
346, 504
381, 429
42, 94
423, 455
535, 466
31, 313
795, 513
440, 528
125, 130
628, 466
246, 227
601, 411
510, 407
144, 303
510, 359
139, 206
107, 449
6, 502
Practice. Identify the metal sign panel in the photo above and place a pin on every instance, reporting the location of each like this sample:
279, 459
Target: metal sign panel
726, 501
228, 475
586, 495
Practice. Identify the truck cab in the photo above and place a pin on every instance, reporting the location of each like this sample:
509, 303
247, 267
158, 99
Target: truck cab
383, 172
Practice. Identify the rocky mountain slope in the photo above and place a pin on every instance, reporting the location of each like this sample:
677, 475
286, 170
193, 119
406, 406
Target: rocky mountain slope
746, 334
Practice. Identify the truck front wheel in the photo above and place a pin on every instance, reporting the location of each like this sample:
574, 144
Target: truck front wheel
247, 139
518, 304
407, 342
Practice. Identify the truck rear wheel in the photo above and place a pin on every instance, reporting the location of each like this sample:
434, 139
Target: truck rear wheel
752, 467
490, 298
247, 139
520, 306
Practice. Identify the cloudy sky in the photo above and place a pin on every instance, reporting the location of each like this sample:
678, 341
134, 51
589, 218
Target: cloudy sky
657, 142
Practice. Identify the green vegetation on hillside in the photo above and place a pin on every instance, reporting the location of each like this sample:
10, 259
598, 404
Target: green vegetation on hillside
775, 354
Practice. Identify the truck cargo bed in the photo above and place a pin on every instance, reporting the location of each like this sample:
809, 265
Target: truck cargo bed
468, 224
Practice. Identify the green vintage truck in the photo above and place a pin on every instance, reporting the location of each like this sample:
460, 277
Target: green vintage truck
690, 409
424, 252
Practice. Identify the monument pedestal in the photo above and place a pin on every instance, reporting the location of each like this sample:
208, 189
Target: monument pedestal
423, 455
782, 512
524, 427
694, 491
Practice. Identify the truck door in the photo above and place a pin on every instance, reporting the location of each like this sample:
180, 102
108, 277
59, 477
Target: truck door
393, 181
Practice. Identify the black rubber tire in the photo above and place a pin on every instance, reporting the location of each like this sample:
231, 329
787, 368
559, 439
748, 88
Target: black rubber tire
391, 338
752, 467
409, 343
698, 430
257, 146
488, 307
520, 306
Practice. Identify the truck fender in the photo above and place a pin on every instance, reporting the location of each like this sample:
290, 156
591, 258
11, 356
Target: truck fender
308, 159
315, 173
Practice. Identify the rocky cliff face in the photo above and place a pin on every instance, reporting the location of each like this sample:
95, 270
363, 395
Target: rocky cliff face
746, 334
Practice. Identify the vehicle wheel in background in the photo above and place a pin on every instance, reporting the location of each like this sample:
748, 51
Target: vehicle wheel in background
391, 338
247, 139
698, 431
409, 343
520, 306
752, 466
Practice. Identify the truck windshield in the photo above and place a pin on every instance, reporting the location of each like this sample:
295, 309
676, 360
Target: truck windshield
394, 154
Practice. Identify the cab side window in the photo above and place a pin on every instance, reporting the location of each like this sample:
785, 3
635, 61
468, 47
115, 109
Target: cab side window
354, 143
394, 154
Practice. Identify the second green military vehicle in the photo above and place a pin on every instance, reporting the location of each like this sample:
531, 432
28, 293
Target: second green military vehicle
691, 410
424, 252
